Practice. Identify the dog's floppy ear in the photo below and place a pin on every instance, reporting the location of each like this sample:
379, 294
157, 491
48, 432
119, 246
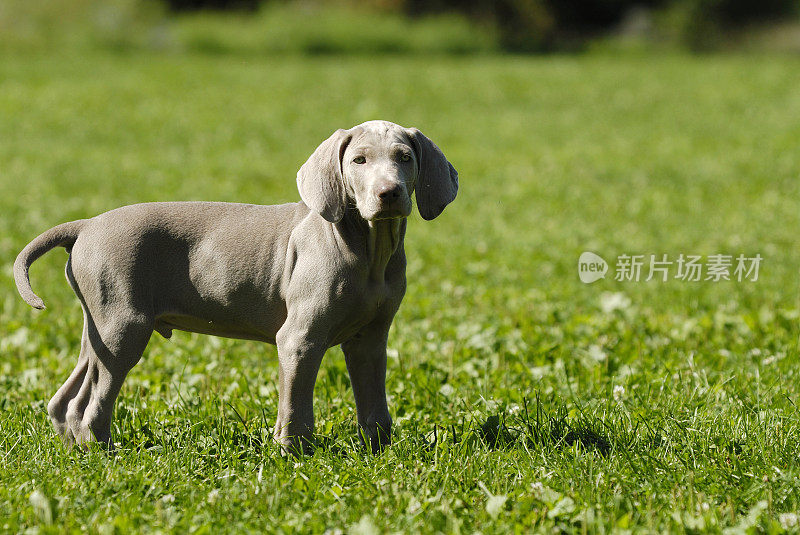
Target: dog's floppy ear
320, 180
437, 180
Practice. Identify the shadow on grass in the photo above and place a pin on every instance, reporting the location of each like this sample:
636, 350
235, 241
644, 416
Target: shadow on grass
545, 431
228, 434
526, 429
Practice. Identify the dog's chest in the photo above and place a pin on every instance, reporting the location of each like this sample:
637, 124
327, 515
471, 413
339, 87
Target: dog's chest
361, 306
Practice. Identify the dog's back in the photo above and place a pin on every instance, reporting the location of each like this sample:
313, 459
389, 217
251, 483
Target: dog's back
183, 264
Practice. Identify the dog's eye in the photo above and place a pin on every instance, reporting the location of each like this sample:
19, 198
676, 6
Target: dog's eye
405, 157
359, 159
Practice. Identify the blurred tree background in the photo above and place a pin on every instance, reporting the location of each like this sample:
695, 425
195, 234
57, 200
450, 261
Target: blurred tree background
543, 25
401, 26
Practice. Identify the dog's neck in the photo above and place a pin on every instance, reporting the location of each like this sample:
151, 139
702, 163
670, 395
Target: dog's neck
380, 238
382, 241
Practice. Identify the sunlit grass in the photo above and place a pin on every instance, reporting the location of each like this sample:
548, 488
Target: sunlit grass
523, 398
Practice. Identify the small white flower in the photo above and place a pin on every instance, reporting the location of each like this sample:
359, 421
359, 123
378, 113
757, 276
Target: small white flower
788, 520
619, 391
539, 372
42, 506
491, 404
597, 354
611, 301
414, 506
213, 496
365, 526
495, 504
168, 498
537, 486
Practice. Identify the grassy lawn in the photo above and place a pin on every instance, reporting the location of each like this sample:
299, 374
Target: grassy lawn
523, 399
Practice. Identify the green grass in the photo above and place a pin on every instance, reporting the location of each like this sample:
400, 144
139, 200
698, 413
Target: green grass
503, 365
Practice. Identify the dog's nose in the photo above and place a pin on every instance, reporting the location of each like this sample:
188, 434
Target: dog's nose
389, 191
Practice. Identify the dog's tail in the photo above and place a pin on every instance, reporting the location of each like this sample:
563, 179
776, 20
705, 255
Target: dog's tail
63, 235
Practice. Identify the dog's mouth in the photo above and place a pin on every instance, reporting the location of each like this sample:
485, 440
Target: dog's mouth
384, 216
396, 210
393, 212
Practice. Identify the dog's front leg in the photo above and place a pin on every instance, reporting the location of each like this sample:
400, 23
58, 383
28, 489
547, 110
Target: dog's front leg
299, 355
365, 355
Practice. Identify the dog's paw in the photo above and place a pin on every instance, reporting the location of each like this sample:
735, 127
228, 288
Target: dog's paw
376, 435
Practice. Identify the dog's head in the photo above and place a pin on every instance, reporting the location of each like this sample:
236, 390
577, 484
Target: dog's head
376, 166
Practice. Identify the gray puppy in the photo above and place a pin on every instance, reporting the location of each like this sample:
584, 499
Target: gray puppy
305, 276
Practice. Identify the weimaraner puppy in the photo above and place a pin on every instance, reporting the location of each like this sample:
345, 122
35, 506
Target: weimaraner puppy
305, 276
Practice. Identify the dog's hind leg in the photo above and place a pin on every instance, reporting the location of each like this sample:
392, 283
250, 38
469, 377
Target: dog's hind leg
81, 410
115, 333
57, 408
108, 352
